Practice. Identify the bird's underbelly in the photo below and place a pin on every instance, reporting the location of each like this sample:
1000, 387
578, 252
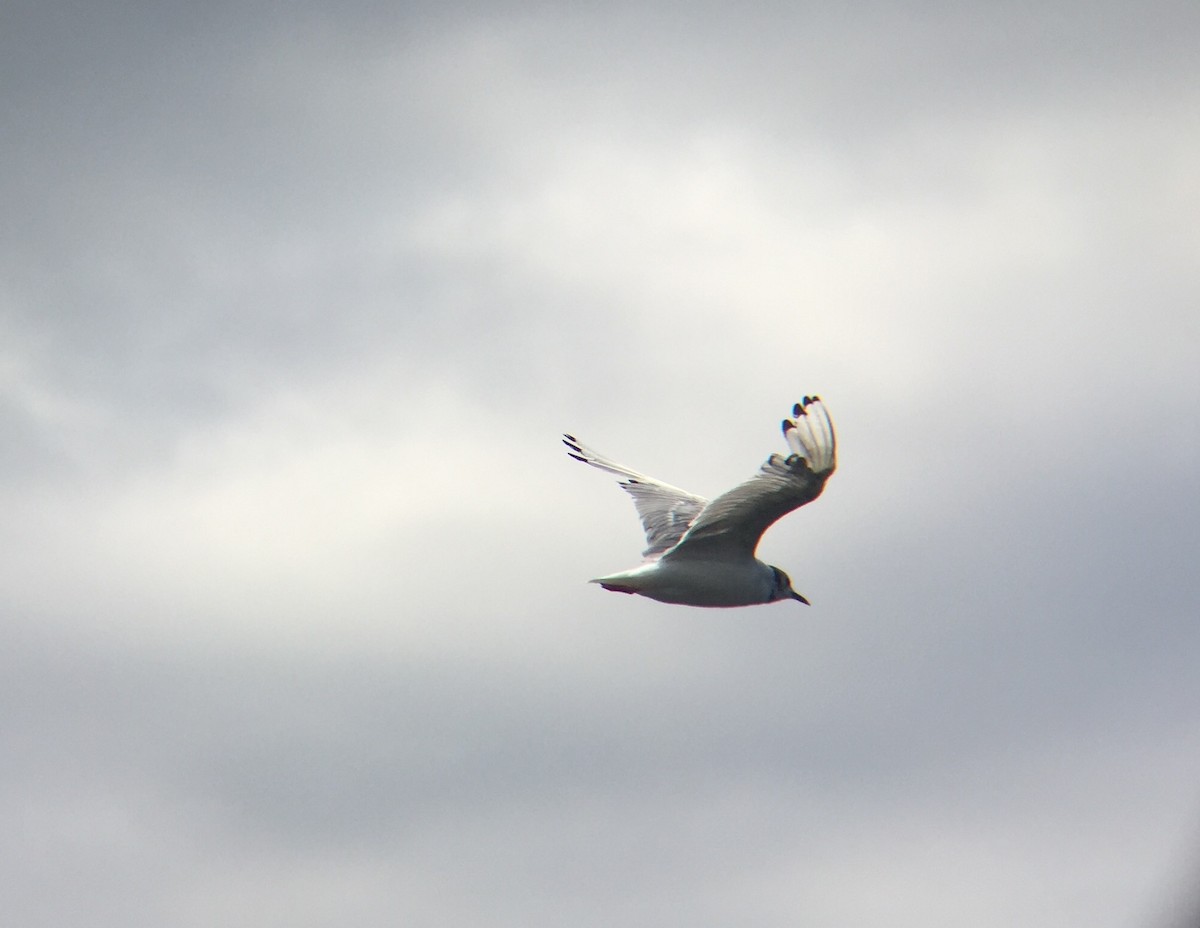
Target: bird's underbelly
696, 583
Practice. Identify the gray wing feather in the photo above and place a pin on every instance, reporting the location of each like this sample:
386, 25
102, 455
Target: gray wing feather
665, 511
732, 524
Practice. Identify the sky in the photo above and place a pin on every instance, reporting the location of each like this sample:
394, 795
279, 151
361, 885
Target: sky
295, 302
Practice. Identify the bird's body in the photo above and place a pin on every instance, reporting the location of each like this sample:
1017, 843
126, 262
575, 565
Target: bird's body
689, 582
701, 553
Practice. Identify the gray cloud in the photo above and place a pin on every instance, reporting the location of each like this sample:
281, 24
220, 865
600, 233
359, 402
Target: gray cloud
292, 313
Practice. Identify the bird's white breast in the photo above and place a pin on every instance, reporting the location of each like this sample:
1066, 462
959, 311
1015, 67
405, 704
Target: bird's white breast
694, 582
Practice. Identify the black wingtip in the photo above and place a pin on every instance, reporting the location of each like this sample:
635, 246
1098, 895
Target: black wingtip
576, 457
797, 410
571, 438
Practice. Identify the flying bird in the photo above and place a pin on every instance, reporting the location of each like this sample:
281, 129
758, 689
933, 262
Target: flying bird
701, 552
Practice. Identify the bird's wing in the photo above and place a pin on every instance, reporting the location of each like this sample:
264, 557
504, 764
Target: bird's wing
666, 511
732, 524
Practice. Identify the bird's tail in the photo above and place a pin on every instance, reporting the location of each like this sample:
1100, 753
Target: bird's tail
810, 435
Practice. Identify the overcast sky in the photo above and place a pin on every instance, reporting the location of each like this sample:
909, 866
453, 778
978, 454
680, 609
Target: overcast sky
295, 301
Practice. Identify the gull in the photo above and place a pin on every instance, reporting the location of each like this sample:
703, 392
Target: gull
701, 552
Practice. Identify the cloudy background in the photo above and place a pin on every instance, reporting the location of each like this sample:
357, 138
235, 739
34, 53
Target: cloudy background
294, 303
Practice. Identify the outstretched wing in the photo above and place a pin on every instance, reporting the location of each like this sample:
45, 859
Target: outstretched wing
666, 511
732, 524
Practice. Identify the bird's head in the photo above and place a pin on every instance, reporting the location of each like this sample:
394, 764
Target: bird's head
782, 588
